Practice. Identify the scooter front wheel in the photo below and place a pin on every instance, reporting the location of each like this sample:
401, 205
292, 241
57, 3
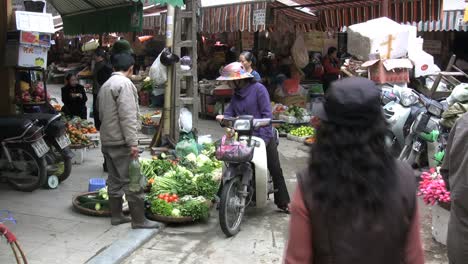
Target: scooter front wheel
231, 211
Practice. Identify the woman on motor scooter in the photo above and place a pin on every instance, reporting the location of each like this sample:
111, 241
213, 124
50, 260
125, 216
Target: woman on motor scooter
252, 98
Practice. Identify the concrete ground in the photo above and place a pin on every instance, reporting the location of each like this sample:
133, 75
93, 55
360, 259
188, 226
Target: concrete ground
51, 232
263, 235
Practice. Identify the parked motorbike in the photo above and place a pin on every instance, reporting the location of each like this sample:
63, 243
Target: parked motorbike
59, 158
400, 109
22, 161
246, 180
424, 135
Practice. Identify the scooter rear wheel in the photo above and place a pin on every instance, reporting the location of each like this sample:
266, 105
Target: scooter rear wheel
26, 162
230, 210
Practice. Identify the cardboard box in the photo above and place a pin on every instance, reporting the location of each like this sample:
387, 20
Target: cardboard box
423, 64
389, 71
381, 36
26, 56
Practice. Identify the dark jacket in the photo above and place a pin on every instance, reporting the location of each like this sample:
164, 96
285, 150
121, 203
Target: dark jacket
74, 106
363, 238
455, 171
102, 72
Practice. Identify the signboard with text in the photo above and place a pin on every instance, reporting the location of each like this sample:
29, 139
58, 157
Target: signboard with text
259, 17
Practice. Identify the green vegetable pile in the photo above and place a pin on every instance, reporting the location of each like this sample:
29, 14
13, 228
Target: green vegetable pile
285, 128
195, 178
195, 207
303, 131
297, 112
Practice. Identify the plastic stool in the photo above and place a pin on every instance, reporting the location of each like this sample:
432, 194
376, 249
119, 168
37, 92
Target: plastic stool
96, 184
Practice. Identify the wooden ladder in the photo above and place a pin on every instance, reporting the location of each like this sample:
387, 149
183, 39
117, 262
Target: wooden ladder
185, 39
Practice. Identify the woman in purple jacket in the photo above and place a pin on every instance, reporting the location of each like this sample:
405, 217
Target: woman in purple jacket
252, 98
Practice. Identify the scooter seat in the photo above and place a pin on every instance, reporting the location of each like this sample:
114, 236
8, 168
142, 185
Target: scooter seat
13, 126
43, 118
55, 129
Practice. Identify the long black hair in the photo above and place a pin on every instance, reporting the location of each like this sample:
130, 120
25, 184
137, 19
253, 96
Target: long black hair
351, 168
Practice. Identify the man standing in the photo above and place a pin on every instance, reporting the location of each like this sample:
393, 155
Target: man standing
119, 112
101, 73
455, 172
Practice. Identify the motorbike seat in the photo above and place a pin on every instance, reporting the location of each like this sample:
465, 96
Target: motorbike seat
13, 126
43, 118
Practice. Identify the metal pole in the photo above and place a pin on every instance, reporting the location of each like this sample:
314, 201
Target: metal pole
168, 92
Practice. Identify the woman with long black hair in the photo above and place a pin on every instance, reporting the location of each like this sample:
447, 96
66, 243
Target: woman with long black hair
355, 203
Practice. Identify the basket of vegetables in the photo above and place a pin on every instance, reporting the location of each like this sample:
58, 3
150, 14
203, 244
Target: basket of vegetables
301, 133
182, 190
92, 203
168, 208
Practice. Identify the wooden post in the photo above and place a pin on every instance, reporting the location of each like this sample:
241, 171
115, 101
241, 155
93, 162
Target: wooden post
385, 8
168, 91
7, 76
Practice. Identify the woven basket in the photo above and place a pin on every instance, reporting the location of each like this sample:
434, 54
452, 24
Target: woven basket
169, 219
87, 211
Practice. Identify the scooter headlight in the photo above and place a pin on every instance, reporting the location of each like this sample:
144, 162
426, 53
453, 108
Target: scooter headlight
242, 125
433, 109
408, 98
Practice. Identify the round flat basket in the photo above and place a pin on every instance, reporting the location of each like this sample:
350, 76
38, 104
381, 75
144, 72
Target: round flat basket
86, 211
169, 219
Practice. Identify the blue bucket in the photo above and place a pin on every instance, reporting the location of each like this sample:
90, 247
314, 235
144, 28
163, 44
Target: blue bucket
96, 184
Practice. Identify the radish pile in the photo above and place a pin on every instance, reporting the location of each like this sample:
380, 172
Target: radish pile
432, 188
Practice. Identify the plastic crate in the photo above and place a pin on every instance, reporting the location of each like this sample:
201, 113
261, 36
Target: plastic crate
95, 184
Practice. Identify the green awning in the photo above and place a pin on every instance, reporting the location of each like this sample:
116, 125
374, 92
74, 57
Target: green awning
169, 2
127, 18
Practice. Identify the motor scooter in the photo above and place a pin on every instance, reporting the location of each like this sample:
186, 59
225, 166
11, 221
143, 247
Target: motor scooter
22, 161
59, 158
246, 180
424, 135
400, 109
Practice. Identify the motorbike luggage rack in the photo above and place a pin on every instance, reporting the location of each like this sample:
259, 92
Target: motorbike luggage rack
449, 76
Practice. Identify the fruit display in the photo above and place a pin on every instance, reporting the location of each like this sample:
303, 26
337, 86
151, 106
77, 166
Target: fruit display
77, 129
148, 120
35, 94
279, 109
57, 107
310, 140
303, 131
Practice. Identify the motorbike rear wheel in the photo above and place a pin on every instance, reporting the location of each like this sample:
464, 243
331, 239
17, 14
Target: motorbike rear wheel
28, 173
230, 210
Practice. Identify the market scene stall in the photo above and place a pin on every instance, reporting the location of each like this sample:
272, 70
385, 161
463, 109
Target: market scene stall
202, 174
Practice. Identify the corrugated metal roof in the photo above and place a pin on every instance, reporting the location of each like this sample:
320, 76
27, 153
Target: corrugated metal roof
69, 7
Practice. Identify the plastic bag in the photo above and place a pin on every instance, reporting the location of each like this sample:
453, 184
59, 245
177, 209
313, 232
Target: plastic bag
186, 146
459, 94
185, 120
299, 52
158, 72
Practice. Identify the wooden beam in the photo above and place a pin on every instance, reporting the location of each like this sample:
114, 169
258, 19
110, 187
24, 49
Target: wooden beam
385, 8
7, 76
325, 4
